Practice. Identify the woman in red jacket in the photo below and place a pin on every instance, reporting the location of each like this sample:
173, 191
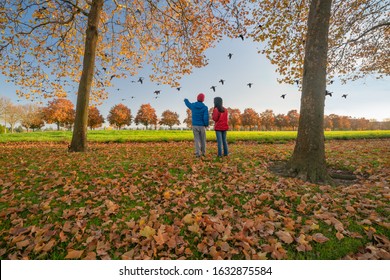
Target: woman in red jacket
220, 117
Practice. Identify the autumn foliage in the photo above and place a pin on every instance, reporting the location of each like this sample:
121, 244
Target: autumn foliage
119, 116
169, 118
146, 115
155, 201
60, 112
95, 119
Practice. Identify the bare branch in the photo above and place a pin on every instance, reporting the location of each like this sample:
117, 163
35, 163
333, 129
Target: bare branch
368, 31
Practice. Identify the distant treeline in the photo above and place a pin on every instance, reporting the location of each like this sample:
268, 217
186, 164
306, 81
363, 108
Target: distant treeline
61, 113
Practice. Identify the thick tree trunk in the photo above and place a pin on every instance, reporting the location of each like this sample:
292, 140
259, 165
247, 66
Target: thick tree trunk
79, 138
308, 160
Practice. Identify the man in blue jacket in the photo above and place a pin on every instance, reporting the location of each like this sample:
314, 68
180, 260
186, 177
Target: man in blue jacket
200, 120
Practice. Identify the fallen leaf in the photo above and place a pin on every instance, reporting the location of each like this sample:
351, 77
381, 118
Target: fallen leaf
90, 256
49, 245
320, 238
74, 254
22, 244
188, 219
161, 237
147, 232
284, 236
339, 235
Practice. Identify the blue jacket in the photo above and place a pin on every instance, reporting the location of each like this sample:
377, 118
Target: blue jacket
200, 113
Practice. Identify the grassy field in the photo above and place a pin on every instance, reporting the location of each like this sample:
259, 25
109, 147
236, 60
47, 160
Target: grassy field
157, 201
122, 136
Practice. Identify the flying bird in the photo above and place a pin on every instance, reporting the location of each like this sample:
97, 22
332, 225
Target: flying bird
132, 97
230, 55
222, 81
213, 88
250, 85
123, 99
328, 93
345, 96
283, 96
141, 80
157, 92
178, 88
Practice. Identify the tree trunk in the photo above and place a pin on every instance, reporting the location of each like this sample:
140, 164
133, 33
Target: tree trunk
79, 138
308, 160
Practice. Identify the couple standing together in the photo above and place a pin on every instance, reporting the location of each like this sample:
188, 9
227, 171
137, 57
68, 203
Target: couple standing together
200, 120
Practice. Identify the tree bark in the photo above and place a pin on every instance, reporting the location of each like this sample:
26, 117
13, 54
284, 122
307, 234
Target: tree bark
79, 137
308, 161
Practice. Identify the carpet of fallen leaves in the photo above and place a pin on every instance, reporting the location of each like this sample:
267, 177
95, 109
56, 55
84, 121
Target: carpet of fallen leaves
157, 201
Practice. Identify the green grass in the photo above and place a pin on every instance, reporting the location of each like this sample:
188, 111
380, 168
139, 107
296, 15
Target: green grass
123, 136
43, 186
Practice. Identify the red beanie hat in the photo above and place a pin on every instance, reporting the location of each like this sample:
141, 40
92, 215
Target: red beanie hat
200, 97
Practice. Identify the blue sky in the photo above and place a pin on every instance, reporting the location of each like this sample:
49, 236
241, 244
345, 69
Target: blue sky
368, 98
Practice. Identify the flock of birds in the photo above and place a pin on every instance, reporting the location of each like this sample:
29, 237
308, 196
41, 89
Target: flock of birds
158, 92
222, 82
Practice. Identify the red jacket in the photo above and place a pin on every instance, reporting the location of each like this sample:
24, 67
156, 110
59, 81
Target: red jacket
221, 120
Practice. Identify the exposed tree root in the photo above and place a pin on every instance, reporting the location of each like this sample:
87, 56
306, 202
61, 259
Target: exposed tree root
332, 177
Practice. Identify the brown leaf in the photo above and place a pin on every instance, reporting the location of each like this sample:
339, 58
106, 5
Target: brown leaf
90, 256
320, 238
111, 207
67, 227
350, 209
264, 196
337, 224
339, 235
172, 242
129, 255
194, 228
22, 244
284, 236
49, 245
74, 254
188, 219
161, 236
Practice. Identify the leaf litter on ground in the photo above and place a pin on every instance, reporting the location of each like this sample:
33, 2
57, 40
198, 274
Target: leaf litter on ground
157, 201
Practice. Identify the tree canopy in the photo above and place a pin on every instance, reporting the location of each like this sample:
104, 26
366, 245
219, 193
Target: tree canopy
42, 42
359, 35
